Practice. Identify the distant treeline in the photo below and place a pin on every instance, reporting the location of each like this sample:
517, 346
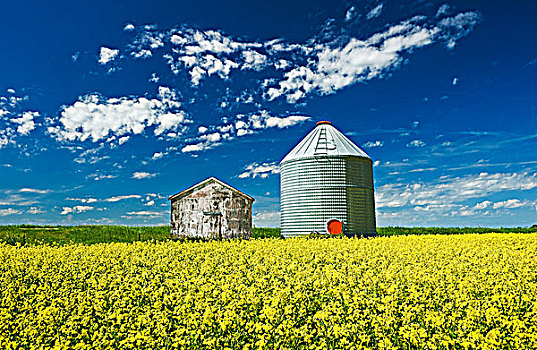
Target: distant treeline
398, 230
93, 234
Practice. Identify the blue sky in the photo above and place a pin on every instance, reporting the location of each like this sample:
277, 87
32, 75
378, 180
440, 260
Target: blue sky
109, 107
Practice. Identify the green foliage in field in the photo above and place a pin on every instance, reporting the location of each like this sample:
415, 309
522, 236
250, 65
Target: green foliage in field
33, 234
266, 232
397, 230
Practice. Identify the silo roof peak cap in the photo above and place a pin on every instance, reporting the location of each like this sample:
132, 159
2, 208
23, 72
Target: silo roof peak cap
324, 140
323, 122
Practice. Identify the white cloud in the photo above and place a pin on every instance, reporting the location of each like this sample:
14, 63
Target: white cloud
213, 137
35, 210
511, 204
98, 177
76, 209
453, 190
10, 211
315, 66
267, 219
442, 10
146, 42
416, 144
253, 60
455, 81
375, 12
195, 147
14, 122
145, 213
128, 27
241, 126
157, 155
82, 200
483, 205
97, 118
142, 175
150, 203
33, 190
281, 64
123, 139
350, 14
285, 122
456, 27
107, 55
26, 122
338, 67
420, 170
208, 65
154, 78
260, 170
371, 144
119, 198
143, 54
335, 67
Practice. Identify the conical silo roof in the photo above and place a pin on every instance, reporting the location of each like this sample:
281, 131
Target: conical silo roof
324, 140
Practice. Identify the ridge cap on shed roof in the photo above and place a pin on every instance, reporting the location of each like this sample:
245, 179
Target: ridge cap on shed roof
203, 184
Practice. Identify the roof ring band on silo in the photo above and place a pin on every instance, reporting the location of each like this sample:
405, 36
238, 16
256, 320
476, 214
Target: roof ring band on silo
323, 122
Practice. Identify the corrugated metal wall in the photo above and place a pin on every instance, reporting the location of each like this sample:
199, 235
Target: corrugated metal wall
317, 189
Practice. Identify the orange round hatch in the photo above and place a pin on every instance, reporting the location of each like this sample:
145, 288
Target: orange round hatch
334, 227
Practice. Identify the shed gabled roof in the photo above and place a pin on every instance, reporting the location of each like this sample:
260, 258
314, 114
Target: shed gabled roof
324, 140
205, 183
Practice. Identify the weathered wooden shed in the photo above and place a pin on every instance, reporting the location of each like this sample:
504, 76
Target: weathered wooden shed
211, 209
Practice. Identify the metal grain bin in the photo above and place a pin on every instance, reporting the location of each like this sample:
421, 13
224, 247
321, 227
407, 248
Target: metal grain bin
326, 177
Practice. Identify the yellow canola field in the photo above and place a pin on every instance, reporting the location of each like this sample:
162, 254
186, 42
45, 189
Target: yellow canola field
431, 292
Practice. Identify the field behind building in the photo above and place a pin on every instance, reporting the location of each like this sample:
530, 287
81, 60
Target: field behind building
407, 291
93, 234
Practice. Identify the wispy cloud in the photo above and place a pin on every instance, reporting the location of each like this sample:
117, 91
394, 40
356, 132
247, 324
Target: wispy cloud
35, 210
372, 144
83, 200
267, 219
452, 190
76, 209
262, 170
142, 175
442, 10
375, 12
120, 198
33, 190
145, 213
310, 67
14, 120
416, 144
361, 60
241, 125
350, 14
10, 211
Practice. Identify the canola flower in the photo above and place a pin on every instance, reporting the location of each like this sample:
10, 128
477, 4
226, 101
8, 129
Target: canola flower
430, 292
